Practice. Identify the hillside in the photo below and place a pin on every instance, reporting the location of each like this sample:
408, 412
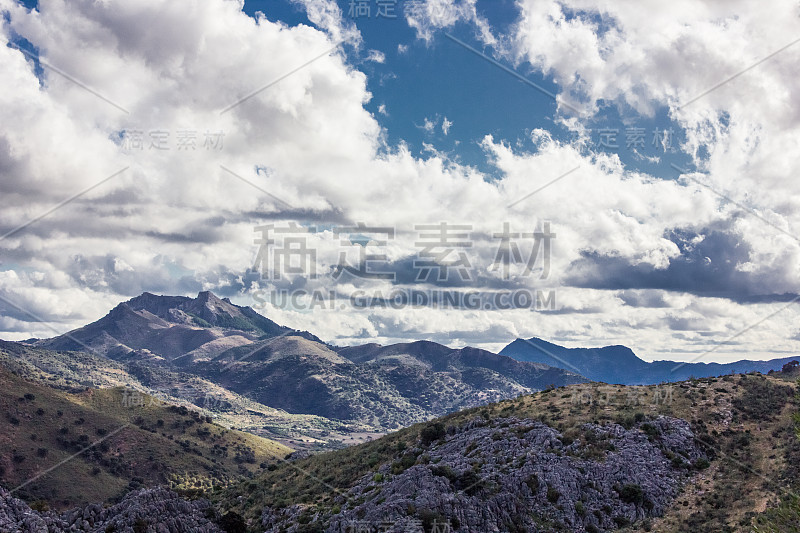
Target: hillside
120, 439
618, 364
301, 376
181, 346
713, 454
75, 371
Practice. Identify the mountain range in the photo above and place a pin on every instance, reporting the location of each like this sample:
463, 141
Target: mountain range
187, 348
618, 364
153, 393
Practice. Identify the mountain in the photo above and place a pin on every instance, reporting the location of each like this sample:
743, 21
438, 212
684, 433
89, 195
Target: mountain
618, 364
65, 449
303, 376
481, 368
175, 344
170, 327
712, 454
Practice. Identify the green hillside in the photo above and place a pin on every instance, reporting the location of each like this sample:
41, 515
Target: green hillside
744, 423
64, 449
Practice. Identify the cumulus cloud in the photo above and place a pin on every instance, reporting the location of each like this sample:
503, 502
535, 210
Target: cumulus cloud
327, 15
705, 64
281, 134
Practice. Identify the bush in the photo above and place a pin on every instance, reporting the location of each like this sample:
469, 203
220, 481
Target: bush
622, 521
631, 493
579, 508
650, 430
232, 522
701, 464
552, 495
533, 483
431, 433
470, 482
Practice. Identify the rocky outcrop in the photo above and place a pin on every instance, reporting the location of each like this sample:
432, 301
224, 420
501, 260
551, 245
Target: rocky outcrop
518, 475
152, 510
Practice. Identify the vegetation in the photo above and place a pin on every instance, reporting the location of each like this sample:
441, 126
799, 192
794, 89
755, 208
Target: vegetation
77, 371
123, 440
746, 423
740, 420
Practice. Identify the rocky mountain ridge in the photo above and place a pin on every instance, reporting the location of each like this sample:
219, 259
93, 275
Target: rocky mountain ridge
620, 365
236, 349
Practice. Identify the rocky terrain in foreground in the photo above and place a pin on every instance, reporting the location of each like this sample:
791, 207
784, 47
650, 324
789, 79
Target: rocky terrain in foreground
714, 454
490, 476
146, 510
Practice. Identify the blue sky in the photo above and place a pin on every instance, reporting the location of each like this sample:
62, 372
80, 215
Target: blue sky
667, 261
441, 79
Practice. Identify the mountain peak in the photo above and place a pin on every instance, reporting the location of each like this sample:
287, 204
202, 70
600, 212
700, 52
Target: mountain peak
207, 296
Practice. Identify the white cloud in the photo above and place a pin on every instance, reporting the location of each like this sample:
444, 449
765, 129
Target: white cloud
175, 222
427, 16
446, 125
376, 56
327, 15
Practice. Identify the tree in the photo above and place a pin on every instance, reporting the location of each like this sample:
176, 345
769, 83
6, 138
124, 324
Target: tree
789, 367
232, 522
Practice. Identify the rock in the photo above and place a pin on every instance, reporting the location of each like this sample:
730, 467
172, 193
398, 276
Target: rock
512, 474
159, 510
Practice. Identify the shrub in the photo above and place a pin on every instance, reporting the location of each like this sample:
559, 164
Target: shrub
431, 433
622, 521
470, 482
552, 495
702, 464
579, 508
533, 483
631, 493
650, 430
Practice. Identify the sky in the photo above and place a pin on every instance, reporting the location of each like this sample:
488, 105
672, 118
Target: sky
463, 171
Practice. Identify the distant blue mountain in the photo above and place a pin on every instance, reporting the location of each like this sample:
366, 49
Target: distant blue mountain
619, 365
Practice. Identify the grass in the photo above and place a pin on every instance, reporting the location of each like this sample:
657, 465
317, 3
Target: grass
118, 445
741, 420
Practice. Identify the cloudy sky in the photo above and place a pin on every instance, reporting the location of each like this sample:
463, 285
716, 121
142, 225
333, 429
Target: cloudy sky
309, 147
